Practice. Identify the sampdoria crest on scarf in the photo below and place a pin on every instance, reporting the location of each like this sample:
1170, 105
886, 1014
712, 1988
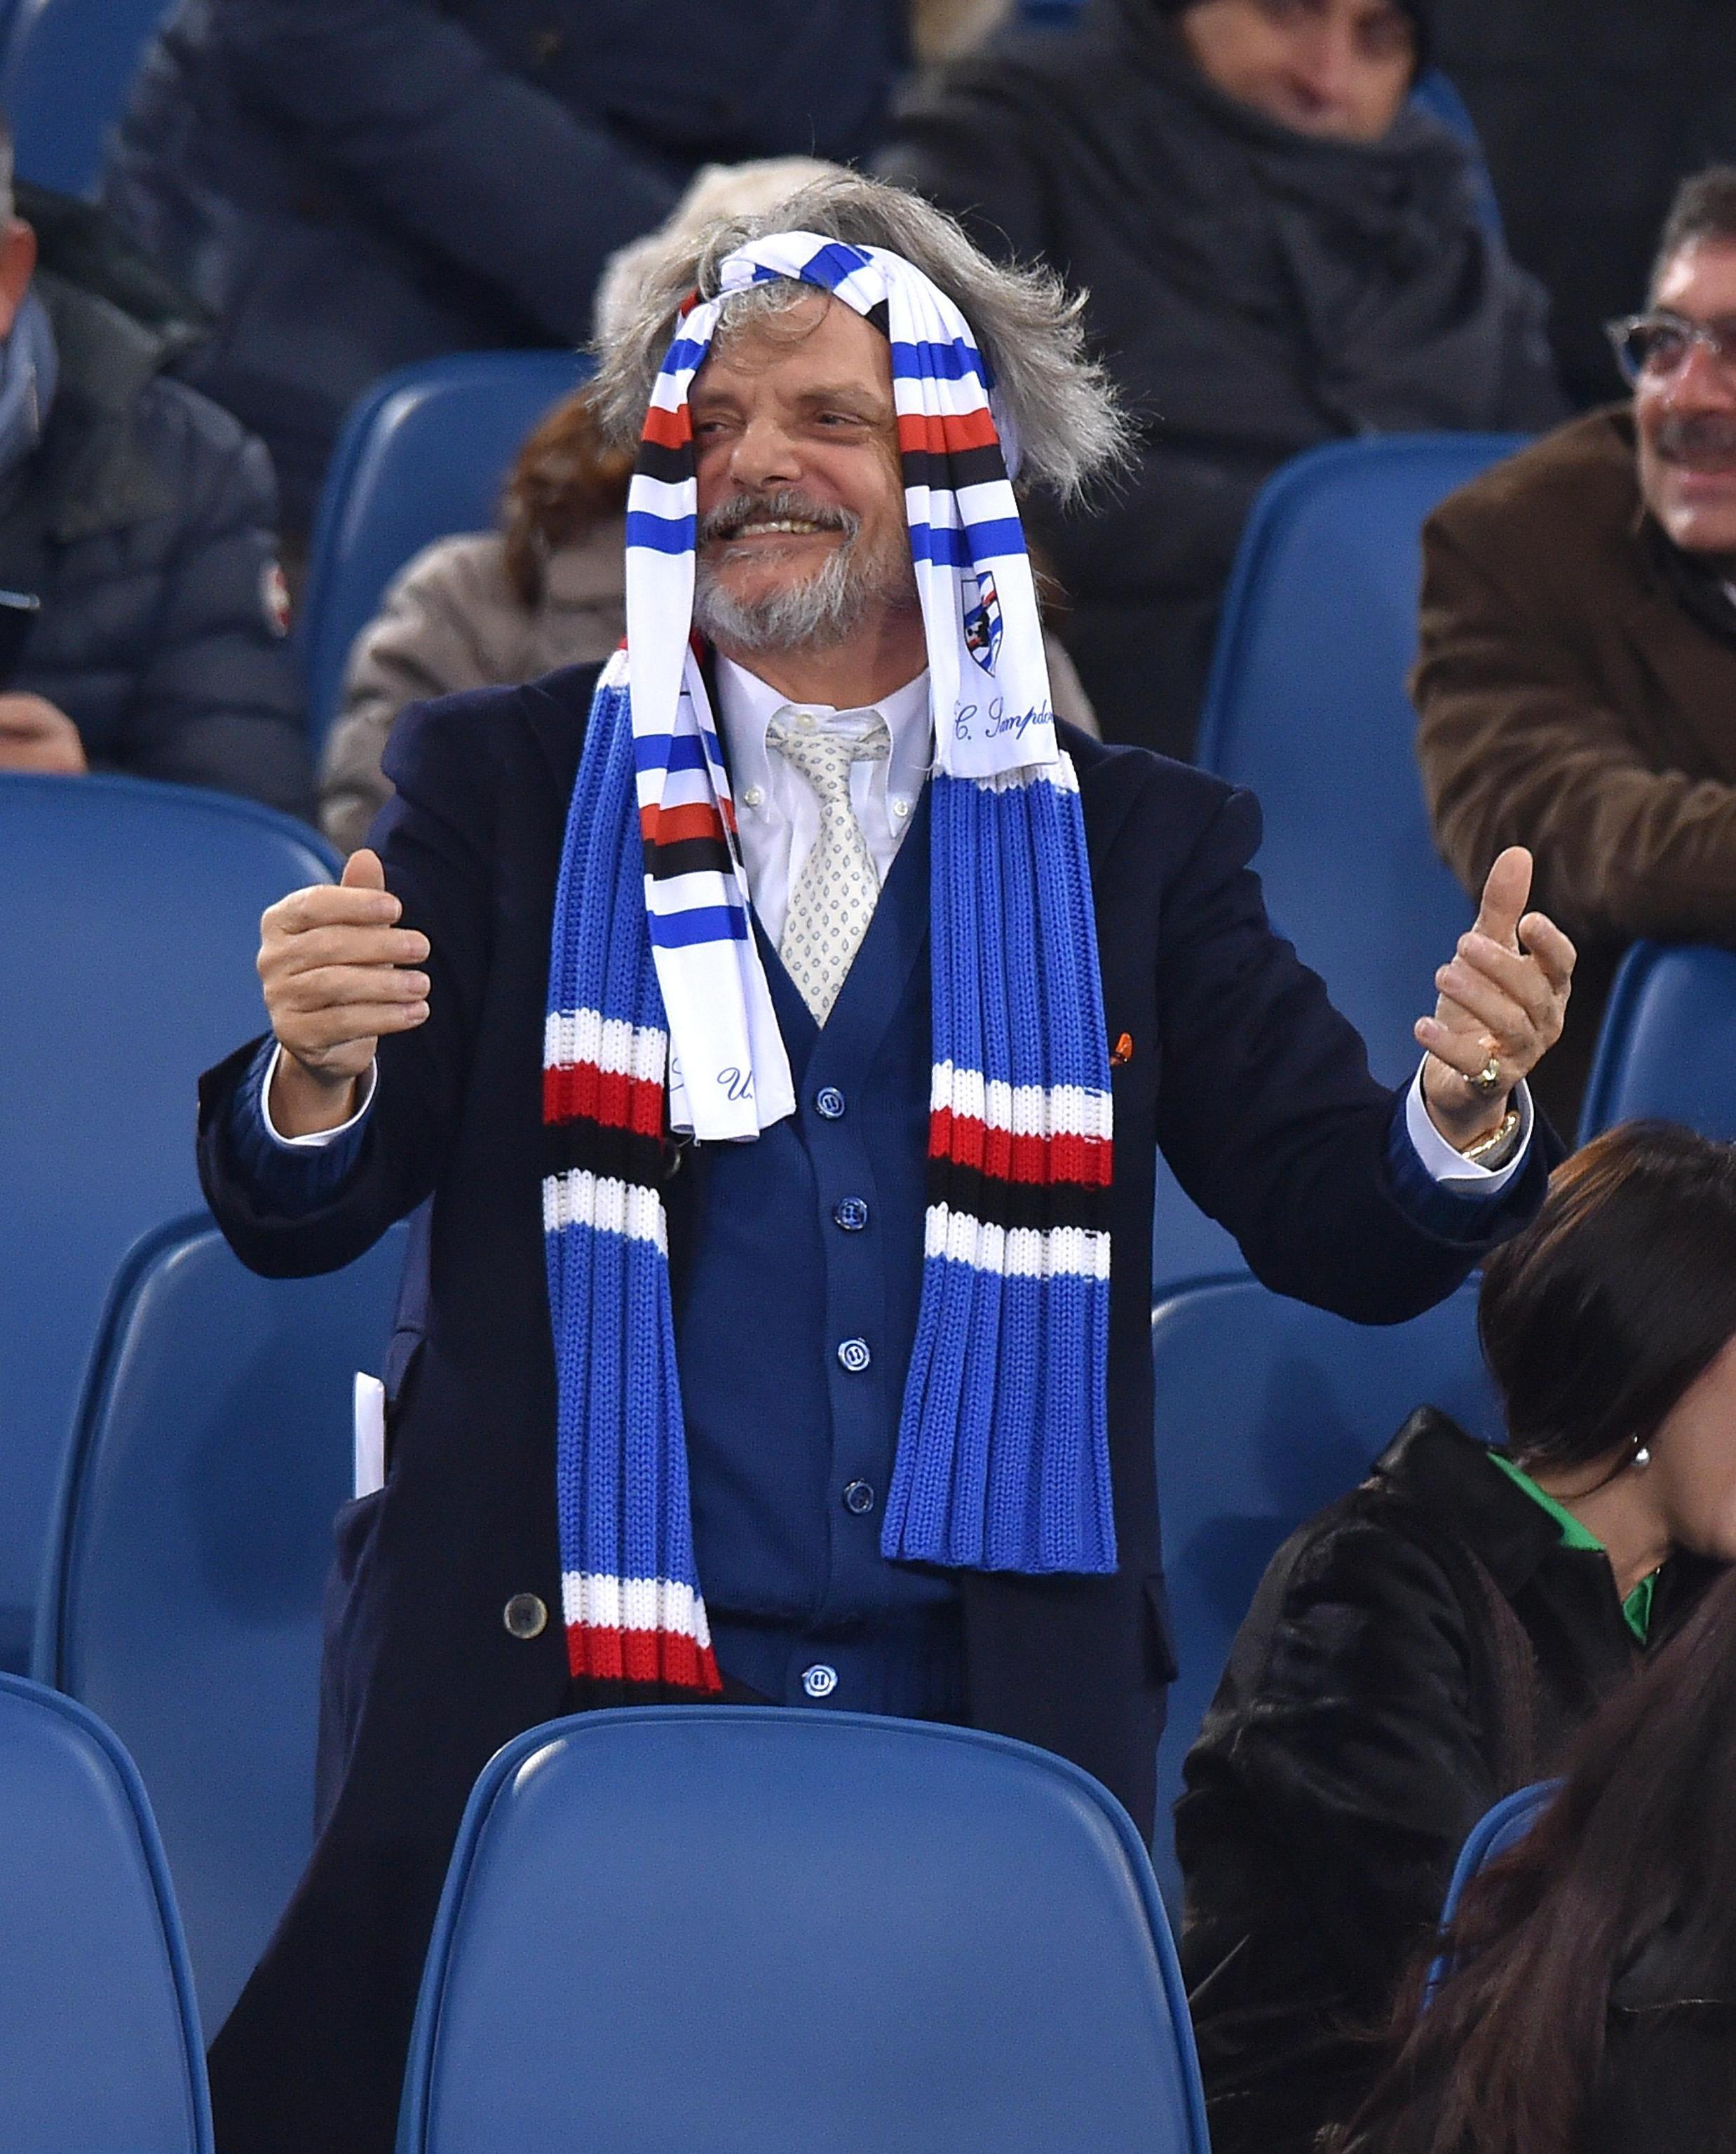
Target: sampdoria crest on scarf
1001, 1460
982, 607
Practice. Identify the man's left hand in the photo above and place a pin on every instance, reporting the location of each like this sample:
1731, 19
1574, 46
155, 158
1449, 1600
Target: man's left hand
1501, 999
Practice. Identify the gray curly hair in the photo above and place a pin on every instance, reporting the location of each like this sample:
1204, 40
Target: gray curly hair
1057, 400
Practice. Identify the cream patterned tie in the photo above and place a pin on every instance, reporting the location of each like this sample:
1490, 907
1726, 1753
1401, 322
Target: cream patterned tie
832, 898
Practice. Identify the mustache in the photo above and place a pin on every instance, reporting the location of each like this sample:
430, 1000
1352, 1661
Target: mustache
787, 505
1702, 441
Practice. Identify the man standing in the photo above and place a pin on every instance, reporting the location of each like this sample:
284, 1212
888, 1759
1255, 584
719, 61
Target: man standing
785, 1023
1577, 680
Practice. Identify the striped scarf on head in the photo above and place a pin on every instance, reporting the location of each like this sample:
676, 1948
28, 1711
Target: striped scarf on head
655, 981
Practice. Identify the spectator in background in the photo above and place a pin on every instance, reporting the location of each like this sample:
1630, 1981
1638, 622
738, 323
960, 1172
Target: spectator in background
1278, 252
1589, 2005
488, 609
1591, 112
350, 187
140, 517
1429, 1642
1577, 680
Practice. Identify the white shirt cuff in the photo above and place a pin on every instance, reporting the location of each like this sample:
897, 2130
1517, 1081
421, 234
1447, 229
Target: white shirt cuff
315, 1140
1451, 1168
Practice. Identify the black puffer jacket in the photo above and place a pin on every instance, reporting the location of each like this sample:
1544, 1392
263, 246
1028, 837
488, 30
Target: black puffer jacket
1255, 291
1363, 1725
144, 521
1668, 2076
351, 186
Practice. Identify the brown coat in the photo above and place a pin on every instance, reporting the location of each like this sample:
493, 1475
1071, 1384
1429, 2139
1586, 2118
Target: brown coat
1571, 701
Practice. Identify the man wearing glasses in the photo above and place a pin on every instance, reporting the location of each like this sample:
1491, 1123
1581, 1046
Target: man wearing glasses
1577, 681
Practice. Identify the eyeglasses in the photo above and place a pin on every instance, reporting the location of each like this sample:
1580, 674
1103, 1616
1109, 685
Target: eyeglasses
1657, 345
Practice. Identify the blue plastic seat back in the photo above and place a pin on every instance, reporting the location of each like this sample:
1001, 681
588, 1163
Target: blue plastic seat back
65, 68
99, 2041
1267, 1412
1502, 1825
1307, 707
759, 1931
1667, 1048
215, 1448
422, 455
132, 923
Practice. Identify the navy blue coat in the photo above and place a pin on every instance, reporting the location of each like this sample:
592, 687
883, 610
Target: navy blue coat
350, 188
1258, 1091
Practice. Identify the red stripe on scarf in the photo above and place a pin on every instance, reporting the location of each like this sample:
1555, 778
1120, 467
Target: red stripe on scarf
695, 819
938, 432
579, 1091
644, 1657
669, 429
1040, 1162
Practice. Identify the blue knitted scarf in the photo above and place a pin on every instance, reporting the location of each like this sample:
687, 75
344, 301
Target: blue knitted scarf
659, 1018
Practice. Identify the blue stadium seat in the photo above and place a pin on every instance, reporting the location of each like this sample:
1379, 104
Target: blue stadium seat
65, 68
184, 1605
1438, 96
100, 2042
423, 455
1501, 1826
132, 921
1668, 1048
1267, 1410
759, 1931
1307, 707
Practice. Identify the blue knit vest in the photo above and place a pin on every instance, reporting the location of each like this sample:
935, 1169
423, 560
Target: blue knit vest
806, 1262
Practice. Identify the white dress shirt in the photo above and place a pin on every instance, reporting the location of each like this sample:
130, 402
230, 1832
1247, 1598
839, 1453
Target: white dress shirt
777, 816
777, 812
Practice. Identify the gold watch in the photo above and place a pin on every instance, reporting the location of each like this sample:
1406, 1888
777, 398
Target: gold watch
1492, 1152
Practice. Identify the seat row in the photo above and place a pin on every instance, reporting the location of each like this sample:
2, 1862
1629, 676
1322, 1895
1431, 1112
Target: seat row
184, 1596
742, 1929
880, 1931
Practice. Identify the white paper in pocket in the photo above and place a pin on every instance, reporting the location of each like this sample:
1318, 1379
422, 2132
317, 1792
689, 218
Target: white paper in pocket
370, 1433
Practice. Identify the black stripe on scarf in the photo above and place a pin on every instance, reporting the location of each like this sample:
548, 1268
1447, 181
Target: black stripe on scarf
688, 856
613, 1155
1040, 1205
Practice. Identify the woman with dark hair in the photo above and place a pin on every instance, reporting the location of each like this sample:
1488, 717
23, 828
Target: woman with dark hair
1589, 2005
1435, 1637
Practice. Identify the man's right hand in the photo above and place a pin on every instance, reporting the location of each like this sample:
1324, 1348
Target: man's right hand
332, 959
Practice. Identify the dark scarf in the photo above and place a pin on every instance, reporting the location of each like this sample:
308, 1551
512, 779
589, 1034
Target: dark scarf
1698, 588
1370, 257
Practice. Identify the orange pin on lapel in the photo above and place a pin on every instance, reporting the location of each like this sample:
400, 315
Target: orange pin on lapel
1122, 1054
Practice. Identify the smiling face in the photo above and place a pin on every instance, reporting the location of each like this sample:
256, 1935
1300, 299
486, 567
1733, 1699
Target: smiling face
1685, 416
802, 537
1341, 68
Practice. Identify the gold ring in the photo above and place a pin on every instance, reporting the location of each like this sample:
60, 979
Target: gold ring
1488, 1080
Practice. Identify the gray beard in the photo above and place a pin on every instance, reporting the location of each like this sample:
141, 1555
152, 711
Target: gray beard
827, 610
